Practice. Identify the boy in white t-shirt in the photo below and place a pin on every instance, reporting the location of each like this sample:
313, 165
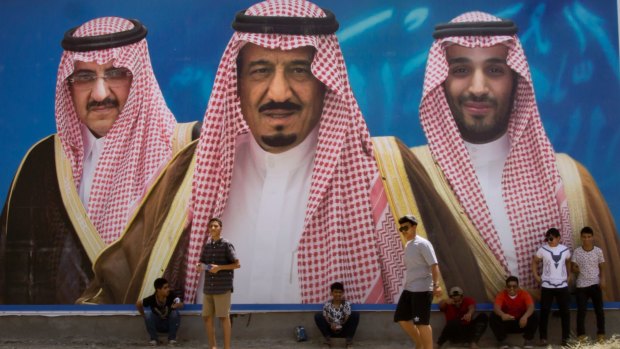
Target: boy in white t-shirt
554, 280
588, 262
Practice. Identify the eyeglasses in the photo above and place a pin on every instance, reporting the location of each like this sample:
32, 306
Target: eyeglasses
85, 80
512, 286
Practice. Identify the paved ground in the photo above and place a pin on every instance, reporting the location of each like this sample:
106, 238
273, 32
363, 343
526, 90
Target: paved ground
237, 344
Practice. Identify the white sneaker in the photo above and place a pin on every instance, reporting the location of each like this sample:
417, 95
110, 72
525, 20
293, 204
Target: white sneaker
152, 342
172, 342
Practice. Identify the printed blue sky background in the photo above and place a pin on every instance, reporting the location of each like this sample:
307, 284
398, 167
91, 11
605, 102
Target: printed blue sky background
572, 47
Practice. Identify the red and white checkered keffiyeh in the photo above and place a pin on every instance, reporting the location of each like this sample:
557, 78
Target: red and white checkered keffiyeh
138, 144
349, 234
531, 184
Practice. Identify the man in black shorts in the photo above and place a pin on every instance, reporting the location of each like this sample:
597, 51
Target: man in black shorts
421, 283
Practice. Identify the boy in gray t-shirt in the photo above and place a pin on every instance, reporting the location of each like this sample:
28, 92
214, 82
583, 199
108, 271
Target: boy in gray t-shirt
421, 283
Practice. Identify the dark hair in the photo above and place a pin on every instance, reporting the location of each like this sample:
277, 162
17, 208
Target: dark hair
215, 219
552, 232
587, 230
159, 283
512, 278
408, 218
337, 286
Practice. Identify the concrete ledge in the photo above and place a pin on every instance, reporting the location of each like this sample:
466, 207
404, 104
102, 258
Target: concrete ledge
375, 326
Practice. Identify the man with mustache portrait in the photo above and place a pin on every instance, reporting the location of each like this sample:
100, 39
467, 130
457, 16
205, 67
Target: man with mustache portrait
285, 158
75, 191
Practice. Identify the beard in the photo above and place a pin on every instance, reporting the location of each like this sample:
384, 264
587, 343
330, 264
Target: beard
479, 129
279, 140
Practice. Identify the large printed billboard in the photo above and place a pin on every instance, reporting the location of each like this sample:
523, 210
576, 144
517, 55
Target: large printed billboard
53, 252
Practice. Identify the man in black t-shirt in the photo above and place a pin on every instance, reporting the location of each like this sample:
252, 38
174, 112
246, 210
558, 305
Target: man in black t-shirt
164, 315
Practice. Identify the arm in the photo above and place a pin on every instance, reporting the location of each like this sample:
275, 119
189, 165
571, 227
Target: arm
528, 313
497, 309
602, 282
140, 307
535, 261
436, 277
470, 312
575, 267
443, 303
232, 266
568, 270
347, 312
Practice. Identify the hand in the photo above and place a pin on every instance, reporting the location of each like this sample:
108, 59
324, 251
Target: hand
507, 317
466, 317
523, 322
214, 268
449, 301
437, 291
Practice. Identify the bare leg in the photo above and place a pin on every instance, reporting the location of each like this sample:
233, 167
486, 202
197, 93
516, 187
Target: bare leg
426, 336
412, 332
226, 327
208, 321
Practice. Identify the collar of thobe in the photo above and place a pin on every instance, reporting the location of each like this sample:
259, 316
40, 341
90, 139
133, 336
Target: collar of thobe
91, 143
288, 160
488, 152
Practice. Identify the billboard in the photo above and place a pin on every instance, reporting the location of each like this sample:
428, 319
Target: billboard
571, 48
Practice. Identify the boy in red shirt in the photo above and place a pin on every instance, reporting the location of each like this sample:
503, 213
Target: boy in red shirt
461, 325
513, 312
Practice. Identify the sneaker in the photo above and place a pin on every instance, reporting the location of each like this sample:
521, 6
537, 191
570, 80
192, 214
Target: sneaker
172, 342
153, 342
528, 344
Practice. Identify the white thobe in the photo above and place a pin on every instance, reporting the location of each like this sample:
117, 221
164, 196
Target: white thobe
93, 148
264, 218
488, 160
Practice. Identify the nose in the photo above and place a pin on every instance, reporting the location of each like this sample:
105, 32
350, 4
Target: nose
478, 85
279, 87
100, 90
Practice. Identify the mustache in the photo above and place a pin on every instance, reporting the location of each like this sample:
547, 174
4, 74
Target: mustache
279, 106
479, 99
108, 103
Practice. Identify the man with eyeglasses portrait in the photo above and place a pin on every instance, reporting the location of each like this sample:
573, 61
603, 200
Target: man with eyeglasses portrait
513, 312
76, 190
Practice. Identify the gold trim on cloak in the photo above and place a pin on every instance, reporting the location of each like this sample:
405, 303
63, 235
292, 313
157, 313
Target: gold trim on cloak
574, 194
169, 234
397, 186
182, 136
86, 231
491, 270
